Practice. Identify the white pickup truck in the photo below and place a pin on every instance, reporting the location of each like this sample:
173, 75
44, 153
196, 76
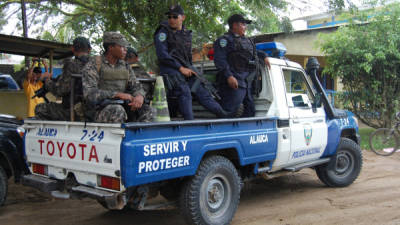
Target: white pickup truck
200, 164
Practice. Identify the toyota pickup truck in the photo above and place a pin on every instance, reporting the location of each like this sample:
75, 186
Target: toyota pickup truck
202, 164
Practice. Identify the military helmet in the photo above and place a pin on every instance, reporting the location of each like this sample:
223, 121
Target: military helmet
112, 37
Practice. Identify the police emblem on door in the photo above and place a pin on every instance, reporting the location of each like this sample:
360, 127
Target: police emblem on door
307, 134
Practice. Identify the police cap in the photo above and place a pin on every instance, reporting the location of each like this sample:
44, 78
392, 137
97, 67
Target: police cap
114, 38
175, 9
237, 18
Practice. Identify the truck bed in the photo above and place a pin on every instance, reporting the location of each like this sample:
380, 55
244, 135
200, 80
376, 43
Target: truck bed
146, 152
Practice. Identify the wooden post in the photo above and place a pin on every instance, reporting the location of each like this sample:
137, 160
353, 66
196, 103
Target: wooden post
51, 60
71, 99
305, 61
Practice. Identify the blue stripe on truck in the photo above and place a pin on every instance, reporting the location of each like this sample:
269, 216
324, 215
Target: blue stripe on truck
153, 154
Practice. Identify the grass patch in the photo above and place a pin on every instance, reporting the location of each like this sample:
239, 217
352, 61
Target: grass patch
364, 133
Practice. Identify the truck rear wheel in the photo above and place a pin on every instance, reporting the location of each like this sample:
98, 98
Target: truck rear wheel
212, 195
3, 186
346, 166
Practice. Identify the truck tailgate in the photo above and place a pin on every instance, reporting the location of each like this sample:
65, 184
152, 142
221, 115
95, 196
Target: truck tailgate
84, 150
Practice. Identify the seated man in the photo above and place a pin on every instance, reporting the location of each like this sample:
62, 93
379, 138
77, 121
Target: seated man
61, 87
109, 77
132, 59
173, 43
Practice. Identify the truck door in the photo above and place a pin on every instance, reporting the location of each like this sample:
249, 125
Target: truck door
308, 129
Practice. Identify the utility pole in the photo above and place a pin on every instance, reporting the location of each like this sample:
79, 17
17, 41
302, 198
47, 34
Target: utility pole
24, 28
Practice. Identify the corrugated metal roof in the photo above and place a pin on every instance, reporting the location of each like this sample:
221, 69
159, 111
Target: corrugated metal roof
33, 47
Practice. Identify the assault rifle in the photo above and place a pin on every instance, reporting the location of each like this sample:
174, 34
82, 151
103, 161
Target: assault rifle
255, 77
41, 93
106, 102
200, 79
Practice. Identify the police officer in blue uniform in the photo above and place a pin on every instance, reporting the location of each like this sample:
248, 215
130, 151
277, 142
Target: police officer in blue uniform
235, 56
173, 44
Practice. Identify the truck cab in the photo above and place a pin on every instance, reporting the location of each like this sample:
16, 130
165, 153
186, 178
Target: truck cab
201, 164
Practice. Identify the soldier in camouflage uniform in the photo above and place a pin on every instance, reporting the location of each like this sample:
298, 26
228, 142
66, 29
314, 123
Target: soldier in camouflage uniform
109, 77
61, 87
132, 59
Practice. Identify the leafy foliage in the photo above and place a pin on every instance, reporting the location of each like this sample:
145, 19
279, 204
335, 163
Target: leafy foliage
366, 56
64, 34
138, 19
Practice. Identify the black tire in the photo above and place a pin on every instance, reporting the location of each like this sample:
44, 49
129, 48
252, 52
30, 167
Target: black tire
3, 186
212, 195
344, 168
384, 141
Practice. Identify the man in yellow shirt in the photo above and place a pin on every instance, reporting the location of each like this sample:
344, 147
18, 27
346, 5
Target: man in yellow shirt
33, 83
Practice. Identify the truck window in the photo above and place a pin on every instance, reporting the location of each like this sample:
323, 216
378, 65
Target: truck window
298, 92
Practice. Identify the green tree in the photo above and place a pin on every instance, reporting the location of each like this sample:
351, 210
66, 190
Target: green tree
340, 5
365, 56
138, 19
64, 34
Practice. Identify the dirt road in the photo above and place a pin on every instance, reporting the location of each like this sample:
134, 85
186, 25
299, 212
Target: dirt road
295, 199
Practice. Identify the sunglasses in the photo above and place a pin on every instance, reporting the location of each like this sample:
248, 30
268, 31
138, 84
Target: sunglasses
172, 16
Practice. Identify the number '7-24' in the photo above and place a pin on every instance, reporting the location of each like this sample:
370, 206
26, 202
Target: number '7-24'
93, 135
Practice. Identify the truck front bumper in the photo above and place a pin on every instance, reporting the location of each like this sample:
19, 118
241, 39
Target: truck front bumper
54, 187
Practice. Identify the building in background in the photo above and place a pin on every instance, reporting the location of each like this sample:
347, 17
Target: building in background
301, 45
323, 20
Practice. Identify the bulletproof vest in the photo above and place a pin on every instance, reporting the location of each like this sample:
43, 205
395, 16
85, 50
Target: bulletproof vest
242, 54
180, 43
113, 79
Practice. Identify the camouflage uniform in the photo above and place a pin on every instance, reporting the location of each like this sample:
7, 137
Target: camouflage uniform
61, 87
147, 86
139, 71
101, 82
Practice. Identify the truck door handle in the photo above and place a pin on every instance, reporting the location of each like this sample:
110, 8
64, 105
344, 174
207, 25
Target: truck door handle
296, 121
318, 121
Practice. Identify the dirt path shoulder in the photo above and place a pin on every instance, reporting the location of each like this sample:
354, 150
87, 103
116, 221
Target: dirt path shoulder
295, 199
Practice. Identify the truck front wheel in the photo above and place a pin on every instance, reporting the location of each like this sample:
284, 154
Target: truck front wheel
345, 166
212, 195
3, 186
